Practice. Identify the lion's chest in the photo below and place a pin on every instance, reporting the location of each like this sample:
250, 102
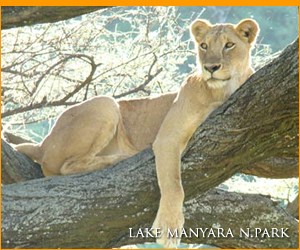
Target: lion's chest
225, 91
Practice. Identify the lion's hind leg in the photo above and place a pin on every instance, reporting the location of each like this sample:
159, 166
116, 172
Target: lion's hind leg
80, 133
101, 122
86, 162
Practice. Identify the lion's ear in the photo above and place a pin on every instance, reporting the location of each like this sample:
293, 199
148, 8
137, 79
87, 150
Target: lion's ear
248, 29
199, 28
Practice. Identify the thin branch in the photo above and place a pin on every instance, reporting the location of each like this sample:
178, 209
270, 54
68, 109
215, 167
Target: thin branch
63, 100
141, 87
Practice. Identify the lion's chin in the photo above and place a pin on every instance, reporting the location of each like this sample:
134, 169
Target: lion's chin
215, 83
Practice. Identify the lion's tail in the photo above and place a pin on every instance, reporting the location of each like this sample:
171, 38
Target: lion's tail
31, 150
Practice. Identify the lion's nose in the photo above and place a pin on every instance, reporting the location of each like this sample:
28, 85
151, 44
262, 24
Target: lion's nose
212, 67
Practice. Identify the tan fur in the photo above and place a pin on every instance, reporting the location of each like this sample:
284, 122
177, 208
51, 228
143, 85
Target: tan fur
98, 133
101, 131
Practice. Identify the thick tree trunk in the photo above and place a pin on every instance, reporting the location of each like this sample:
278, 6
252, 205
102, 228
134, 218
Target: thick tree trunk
13, 16
84, 217
18, 168
258, 123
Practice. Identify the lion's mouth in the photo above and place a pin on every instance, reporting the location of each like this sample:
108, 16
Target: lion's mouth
218, 79
217, 83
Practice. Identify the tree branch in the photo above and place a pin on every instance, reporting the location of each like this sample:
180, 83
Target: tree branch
13, 16
91, 219
274, 167
44, 103
141, 87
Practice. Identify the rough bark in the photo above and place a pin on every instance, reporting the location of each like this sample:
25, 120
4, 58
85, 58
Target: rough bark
83, 217
259, 122
17, 167
17, 16
240, 211
274, 167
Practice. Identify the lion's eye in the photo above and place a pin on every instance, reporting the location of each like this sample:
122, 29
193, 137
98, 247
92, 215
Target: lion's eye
203, 46
229, 45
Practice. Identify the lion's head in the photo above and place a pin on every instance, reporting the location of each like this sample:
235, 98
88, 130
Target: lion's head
224, 50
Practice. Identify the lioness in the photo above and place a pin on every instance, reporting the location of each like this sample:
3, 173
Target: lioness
101, 131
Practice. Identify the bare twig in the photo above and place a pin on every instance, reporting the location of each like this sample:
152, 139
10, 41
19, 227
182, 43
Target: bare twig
141, 87
63, 100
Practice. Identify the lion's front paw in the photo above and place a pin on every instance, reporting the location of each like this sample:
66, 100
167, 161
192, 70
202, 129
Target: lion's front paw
170, 225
